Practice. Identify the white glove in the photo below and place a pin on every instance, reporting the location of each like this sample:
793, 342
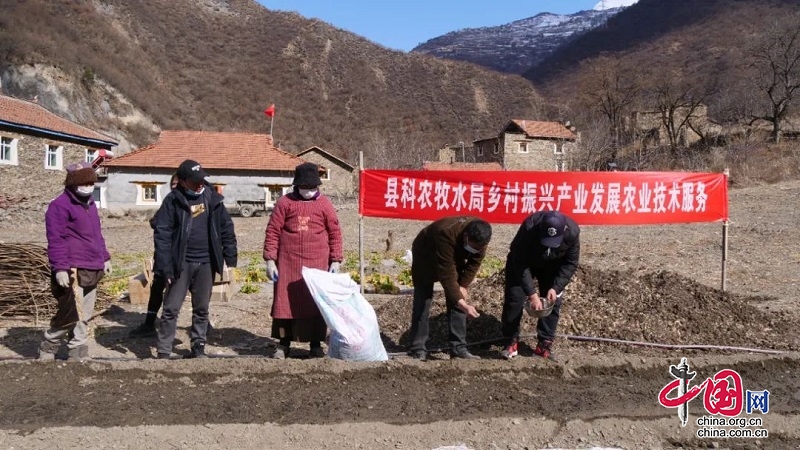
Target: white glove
107, 267
62, 278
272, 271
334, 267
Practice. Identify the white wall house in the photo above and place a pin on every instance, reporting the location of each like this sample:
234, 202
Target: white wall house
241, 166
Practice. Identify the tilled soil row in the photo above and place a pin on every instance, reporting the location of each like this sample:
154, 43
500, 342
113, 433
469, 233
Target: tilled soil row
399, 392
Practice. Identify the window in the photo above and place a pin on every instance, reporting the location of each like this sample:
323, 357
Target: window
496, 148
327, 174
53, 157
274, 192
523, 147
148, 193
8, 151
559, 165
91, 155
480, 150
558, 148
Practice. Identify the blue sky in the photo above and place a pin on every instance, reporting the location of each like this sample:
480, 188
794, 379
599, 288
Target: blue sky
402, 24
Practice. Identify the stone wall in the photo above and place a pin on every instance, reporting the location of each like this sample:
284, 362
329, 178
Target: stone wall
29, 178
342, 181
539, 154
484, 152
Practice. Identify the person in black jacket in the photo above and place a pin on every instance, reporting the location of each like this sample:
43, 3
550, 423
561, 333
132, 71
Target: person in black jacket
546, 248
194, 239
157, 286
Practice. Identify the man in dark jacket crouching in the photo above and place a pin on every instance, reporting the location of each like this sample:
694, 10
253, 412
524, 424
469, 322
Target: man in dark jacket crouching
546, 249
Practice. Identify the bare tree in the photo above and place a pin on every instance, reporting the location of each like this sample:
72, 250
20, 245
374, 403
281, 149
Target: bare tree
610, 88
678, 101
399, 151
776, 60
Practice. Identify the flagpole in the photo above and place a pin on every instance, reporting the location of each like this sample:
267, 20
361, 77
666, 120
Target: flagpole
271, 120
361, 222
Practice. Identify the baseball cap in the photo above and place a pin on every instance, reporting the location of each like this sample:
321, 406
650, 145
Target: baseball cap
552, 229
190, 170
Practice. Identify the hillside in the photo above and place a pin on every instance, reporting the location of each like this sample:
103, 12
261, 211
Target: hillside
216, 64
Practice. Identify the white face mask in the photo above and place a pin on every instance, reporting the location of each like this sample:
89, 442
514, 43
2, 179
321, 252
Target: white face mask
307, 194
84, 190
195, 194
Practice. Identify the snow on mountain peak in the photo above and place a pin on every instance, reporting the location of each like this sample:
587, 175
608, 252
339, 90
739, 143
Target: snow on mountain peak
602, 5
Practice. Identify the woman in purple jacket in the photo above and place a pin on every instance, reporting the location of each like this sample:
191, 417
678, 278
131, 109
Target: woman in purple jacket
78, 260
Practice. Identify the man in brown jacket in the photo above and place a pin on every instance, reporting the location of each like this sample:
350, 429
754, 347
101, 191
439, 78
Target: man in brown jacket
449, 251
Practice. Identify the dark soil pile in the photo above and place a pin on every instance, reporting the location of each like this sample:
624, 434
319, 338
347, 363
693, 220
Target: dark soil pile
661, 307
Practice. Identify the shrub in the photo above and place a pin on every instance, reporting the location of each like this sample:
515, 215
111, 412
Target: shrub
249, 288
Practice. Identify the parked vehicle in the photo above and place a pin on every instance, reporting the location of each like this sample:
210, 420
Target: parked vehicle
250, 208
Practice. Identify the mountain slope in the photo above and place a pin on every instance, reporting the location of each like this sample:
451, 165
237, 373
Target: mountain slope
517, 46
684, 31
216, 64
699, 45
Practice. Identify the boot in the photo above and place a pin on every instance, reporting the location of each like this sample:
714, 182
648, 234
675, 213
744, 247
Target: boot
544, 349
198, 351
47, 350
316, 351
280, 352
462, 354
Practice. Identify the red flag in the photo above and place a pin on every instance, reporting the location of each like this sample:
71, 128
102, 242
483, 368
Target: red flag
270, 112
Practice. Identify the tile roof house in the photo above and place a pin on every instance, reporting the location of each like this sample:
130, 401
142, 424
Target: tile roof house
524, 145
37, 144
243, 167
340, 177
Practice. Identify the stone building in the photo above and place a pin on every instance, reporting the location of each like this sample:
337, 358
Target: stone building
241, 166
35, 147
521, 145
691, 126
340, 178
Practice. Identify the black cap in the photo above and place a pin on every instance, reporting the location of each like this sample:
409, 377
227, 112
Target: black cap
306, 174
552, 229
191, 171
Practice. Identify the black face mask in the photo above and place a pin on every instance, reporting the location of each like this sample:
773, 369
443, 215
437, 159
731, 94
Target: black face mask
549, 254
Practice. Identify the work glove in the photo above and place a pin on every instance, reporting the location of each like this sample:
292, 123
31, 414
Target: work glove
272, 271
107, 267
62, 278
334, 267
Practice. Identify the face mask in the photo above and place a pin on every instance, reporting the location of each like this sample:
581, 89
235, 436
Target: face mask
548, 254
471, 250
84, 190
194, 194
307, 194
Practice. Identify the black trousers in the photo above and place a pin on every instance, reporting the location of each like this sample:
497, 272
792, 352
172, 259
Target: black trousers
423, 296
198, 279
513, 304
156, 297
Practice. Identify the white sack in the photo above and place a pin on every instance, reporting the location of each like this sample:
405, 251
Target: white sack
355, 335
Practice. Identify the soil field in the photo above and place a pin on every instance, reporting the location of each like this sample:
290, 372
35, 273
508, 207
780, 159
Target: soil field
653, 283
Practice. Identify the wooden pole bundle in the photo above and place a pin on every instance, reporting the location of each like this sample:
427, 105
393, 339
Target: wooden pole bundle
25, 281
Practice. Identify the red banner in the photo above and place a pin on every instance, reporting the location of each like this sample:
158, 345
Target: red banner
591, 198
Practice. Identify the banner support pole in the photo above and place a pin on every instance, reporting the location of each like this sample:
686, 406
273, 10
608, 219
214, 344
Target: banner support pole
725, 224
360, 222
